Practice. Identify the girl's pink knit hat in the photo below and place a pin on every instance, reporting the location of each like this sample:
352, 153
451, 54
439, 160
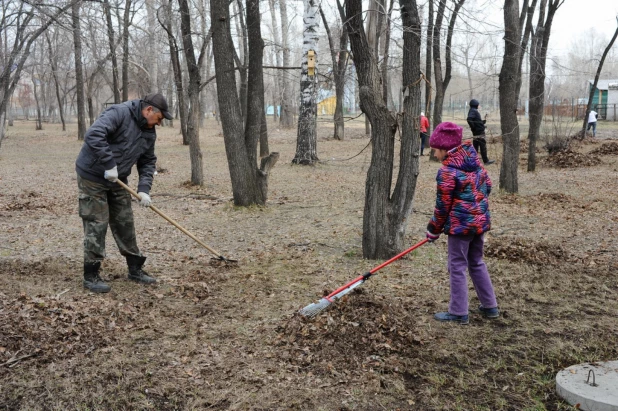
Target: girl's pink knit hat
446, 136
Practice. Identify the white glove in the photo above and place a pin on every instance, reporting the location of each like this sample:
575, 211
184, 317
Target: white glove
111, 175
145, 200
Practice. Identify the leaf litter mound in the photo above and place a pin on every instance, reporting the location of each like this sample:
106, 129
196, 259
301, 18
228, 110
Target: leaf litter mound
522, 251
571, 159
610, 149
359, 332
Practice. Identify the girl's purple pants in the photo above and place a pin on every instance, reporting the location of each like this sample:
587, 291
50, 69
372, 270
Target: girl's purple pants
466, 252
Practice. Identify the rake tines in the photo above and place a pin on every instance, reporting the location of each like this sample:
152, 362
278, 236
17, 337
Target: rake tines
314, 309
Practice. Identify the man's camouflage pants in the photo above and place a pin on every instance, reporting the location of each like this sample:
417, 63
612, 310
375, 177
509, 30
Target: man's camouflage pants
99, 206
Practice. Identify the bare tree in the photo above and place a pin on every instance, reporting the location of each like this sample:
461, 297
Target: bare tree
193, 91
287, 111
306, 139
596, 81
386, 211
53, 62
79, 70
112, 48
517, 31
176, 68
538, 57
249, 183
441, 84
339, 57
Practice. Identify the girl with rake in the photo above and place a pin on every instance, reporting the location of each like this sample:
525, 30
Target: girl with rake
462, 213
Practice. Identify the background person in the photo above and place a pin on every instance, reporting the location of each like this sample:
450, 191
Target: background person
592, 122
424, 127
477, 125
123, 136
462, 213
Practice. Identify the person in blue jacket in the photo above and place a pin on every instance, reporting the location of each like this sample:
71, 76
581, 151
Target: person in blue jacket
123, 136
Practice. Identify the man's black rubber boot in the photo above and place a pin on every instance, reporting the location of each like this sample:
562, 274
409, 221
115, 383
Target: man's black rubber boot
92, 280
135, 270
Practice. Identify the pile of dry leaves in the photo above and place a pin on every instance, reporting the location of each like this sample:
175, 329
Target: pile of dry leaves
524, 251
571, 159
606, 149
359, 332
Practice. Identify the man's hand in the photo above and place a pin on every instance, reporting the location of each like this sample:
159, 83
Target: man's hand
145, 200
111, 175
432, 237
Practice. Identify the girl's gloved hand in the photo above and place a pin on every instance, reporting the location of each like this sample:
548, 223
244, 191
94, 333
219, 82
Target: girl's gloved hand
432, 237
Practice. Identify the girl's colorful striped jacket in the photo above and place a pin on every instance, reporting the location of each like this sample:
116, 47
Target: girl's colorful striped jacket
463, 187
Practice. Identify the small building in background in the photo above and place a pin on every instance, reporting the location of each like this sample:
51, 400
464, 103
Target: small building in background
605, 99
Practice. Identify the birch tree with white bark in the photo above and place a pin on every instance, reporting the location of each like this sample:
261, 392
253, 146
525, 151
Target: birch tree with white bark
306, 140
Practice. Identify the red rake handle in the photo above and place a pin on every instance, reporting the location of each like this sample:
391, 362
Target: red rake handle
370, 273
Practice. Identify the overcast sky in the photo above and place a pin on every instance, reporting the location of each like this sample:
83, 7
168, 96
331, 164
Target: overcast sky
576, 17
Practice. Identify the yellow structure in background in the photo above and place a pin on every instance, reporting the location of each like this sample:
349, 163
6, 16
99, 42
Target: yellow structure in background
326, 107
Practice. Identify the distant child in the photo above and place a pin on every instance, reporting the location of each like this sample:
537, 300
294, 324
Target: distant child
424, 127
462, 213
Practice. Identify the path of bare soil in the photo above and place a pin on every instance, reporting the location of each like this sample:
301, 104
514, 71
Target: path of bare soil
208, 337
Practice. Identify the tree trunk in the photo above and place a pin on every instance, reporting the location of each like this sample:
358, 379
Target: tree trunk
193, 121
112, 49
249, 184
596, 80
278, 83
509, 96
385, 216
54, 67
441, 83
538, 51
79, 76
306, 140
153, 65
340, 62
287, 110
38, 122
125, 50
241, 58
176, 68
428, 64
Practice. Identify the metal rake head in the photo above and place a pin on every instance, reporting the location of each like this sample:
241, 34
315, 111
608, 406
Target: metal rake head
314, 309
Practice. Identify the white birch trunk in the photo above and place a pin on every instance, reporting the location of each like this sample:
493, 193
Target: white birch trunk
306, 141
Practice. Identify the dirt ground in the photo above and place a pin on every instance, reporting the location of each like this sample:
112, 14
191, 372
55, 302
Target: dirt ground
207, 337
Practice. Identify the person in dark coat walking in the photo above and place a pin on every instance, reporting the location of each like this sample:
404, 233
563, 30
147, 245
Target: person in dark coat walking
477, 125
123, 136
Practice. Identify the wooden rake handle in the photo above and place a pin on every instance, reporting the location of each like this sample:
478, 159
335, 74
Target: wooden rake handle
174, 223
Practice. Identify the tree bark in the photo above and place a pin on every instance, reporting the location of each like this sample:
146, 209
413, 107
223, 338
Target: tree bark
125, 49
428, 64
241, 57
53, 62
79, 75
278, 83
287, 110
249, 184
193, 121
112, 48
441, 84
508, 97
538, 58
176, 68
385, 215
339, 59
306, 139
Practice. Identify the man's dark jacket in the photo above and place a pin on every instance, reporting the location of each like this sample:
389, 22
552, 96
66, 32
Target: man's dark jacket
119, 138
476, 123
